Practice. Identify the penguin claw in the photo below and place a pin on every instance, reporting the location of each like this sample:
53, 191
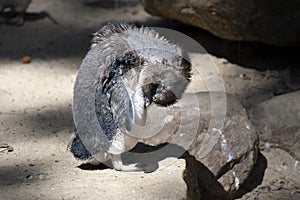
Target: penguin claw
119, 166
130, 168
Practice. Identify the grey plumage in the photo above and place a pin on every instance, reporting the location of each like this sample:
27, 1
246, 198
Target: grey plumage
126, 70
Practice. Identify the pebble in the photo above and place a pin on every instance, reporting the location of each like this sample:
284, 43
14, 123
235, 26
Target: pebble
242, 75
29, 177
5, 147
41, 176
26, 59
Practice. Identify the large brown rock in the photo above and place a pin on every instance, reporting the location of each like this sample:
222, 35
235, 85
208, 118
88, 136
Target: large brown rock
218, 159
231, 160
278, 122
271, 21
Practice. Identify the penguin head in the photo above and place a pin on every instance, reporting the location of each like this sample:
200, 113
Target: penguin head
163, 83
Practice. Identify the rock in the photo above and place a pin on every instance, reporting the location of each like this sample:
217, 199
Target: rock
272, 22
230, 161
278, 122
280, 177
218, 160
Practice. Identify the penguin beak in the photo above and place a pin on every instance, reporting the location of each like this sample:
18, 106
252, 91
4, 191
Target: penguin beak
149, 91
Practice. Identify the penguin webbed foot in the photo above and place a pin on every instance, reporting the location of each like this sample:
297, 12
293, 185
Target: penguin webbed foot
120, 166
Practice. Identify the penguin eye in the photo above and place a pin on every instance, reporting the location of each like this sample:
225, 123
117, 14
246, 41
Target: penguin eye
150, 89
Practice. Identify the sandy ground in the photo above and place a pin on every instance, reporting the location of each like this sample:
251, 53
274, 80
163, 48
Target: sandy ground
36, 116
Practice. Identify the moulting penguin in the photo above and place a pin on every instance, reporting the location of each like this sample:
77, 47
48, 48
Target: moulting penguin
126, 70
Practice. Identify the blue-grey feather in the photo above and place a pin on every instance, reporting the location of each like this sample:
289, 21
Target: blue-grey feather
78, 149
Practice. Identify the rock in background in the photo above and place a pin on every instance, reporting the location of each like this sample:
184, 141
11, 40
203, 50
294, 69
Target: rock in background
272, 21
278, 122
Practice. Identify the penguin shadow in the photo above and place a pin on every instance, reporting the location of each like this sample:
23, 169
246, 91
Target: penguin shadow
100, 166
145, 156
10, 17
197, 176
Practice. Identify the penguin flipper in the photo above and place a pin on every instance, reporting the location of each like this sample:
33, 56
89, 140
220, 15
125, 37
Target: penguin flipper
122, 106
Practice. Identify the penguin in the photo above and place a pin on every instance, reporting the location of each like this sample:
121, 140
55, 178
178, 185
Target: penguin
18, 7
126, 70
